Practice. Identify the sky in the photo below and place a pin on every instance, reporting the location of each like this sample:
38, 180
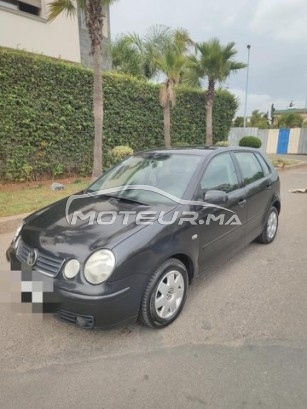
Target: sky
276, 30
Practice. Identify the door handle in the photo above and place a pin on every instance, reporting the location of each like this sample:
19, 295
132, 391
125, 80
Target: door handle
242, 202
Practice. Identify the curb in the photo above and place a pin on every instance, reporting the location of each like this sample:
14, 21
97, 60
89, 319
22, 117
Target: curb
290, 167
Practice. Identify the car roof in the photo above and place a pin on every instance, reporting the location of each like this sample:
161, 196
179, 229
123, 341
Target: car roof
195, 150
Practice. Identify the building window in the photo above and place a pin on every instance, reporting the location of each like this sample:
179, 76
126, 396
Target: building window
27, 6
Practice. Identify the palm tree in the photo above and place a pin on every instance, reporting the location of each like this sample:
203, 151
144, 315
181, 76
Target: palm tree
214, 62
259, 120
171, 63
126, 58
137, 56
94, 19
162, 51
290, 120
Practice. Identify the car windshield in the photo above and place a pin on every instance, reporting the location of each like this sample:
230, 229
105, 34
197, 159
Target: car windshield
139, 177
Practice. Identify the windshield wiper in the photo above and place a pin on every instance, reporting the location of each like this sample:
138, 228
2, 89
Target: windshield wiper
107, 196
126, 199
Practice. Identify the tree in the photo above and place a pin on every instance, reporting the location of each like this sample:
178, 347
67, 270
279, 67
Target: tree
259, 120
162, 51
214, 62
94, 19
172, 64
137, 56
238, 122
125, 57
290, 120
256, 120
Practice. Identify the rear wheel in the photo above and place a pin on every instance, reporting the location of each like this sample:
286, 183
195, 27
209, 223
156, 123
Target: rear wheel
270, 229
165, 294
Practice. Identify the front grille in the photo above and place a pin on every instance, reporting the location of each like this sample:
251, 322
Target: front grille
84, 321
45, 264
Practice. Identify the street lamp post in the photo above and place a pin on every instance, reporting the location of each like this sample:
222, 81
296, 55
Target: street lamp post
246, 85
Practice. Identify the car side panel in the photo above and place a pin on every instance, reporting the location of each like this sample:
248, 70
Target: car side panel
222, 231
259, 199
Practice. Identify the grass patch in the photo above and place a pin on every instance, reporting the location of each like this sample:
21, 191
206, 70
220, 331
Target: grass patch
27, 198
282, 161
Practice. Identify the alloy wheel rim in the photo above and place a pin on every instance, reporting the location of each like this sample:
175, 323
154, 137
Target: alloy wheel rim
272, 225
169, 294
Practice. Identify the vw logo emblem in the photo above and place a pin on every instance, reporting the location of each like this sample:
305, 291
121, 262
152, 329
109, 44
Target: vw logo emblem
31, 258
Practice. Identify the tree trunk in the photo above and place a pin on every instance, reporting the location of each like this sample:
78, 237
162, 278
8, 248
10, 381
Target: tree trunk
209, 110
167, 124
98, 113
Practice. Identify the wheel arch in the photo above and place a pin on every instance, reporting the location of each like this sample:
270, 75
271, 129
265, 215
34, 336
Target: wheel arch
277, 205
187, 261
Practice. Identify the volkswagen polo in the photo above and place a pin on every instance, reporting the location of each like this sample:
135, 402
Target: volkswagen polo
128, 247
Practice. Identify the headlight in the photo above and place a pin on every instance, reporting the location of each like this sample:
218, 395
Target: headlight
99, 266
18, 230
71, 268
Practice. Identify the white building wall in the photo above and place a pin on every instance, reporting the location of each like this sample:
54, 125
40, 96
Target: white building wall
59, 39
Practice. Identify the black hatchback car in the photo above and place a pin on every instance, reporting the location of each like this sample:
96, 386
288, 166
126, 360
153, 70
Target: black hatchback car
129, 246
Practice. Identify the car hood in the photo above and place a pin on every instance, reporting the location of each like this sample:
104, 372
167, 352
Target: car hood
51, 229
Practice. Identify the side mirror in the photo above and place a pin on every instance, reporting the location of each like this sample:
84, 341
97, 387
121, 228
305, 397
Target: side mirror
215, 197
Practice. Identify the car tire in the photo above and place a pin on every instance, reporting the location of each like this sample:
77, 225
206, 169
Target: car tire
165, 294
270, 229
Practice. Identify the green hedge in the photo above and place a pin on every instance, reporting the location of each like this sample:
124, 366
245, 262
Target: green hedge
46, 123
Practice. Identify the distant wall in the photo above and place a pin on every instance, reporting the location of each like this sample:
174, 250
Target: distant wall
274, 141
302, 145
236, 134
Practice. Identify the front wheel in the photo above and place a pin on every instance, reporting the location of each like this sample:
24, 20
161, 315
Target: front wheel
270, 229
165, 294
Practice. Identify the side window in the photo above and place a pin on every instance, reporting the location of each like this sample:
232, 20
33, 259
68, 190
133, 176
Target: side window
250, 167
220, 174
263, 163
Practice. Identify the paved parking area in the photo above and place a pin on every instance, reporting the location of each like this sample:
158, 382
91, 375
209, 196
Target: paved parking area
241, 341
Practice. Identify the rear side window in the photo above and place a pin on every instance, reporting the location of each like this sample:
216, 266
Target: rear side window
263, 163
250, 167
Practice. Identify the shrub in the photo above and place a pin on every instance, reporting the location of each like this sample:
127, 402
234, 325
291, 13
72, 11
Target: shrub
250, 141
121, 152
47, 122
222, 143
118, 153
181, 144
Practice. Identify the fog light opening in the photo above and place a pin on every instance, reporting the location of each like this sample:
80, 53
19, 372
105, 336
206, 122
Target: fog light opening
82, 321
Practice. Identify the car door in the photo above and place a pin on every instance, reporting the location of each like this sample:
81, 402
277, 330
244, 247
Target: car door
221, 230
257, 182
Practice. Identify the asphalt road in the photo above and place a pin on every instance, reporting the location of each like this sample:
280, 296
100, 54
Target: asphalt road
241, 341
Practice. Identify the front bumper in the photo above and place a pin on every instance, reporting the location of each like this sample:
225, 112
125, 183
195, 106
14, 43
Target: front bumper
95, 311
118, 304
